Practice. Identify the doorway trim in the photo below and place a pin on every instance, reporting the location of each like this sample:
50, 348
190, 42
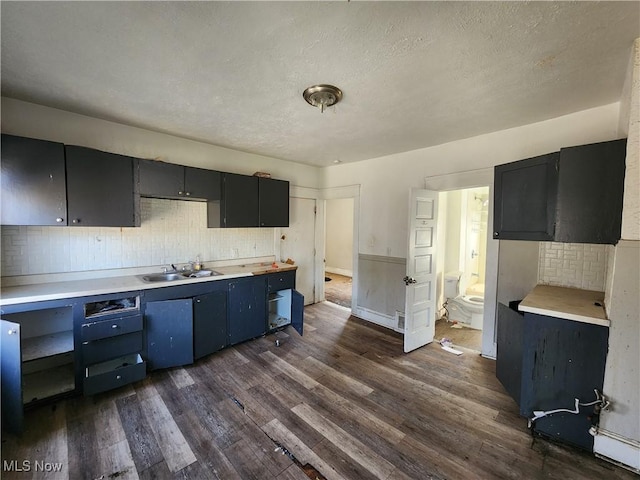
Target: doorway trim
347, 191
470, 179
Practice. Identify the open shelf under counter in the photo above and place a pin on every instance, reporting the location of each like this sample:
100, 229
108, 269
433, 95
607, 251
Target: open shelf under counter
47, 345
47, 383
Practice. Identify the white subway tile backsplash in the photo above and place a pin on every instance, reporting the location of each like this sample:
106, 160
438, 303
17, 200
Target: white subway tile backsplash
575, 265
171, 231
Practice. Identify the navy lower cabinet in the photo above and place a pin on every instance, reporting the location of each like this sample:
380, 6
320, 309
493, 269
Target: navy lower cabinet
210, 332
247, 308
285, 304
111, 337
37, 357
545, 363
169, 329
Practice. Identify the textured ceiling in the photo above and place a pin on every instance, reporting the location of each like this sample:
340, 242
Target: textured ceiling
414, 74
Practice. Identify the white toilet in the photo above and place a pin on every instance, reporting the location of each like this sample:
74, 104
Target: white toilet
464, 309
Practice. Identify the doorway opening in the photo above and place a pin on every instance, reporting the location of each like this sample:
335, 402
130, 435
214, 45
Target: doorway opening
338, 286
464, 218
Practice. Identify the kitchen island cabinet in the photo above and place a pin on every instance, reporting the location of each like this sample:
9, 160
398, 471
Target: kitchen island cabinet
34, 190
551, 352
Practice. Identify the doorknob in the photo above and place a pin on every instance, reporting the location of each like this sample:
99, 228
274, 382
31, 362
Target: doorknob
408, 280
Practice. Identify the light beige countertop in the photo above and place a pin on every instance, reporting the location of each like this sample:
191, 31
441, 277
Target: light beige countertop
585, 306
38, 292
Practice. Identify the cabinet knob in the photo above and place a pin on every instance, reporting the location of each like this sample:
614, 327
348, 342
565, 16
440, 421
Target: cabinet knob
12, 332
495, 234
59, 219
180, 192
115, 326
118, 377
75, 220
187, 193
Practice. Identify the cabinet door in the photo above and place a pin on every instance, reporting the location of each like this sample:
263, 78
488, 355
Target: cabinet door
509, 349
525, 199
11, 379
590, 192
100, 188
297, 311
240, 201
169, 328
247, 309
202, 184
274, 202
209, 323
161, 179
33, 182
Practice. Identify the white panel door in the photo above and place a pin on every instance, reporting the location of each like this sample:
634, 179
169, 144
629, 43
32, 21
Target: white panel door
298, 243
420, 281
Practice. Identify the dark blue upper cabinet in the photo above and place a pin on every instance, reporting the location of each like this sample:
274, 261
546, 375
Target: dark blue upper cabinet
240, 201
168, 180
101, 189
33, 182
274, 202
574, 195
525, 199
590, 193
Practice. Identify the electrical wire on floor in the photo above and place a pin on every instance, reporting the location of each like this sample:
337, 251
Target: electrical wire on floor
601, 403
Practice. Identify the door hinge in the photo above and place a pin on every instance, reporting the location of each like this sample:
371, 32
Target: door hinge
315, 210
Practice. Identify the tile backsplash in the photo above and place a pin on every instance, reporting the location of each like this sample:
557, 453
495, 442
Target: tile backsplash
575, 265
171, 231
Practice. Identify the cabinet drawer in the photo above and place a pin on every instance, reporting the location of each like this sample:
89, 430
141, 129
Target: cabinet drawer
281, 281
101, 350
113, 374
110, 328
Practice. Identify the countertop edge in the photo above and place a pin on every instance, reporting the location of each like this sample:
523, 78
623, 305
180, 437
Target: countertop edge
129, 283
565, 316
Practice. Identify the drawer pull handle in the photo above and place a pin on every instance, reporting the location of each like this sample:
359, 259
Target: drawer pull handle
118, 377
115, 326
12, 332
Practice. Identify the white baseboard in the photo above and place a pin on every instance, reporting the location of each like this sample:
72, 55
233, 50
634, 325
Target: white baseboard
339, 271
619, 450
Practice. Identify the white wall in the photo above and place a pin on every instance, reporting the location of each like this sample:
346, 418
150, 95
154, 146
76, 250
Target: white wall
339, 236
452, 231
385, 181
619, 435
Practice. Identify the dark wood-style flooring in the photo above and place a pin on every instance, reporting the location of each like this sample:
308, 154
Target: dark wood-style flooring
338, 290
341, 402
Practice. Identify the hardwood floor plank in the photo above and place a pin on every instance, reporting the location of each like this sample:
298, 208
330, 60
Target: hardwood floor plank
116, 461
175, 449
359, 452
180, 377
300, 450
342, 381
83, 448
293, 473
142, 442
289, 370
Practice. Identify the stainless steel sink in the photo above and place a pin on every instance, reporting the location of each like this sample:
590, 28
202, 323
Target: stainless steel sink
162, 277
181, 275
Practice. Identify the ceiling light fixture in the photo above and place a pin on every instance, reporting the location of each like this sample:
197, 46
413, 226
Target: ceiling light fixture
322, 96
